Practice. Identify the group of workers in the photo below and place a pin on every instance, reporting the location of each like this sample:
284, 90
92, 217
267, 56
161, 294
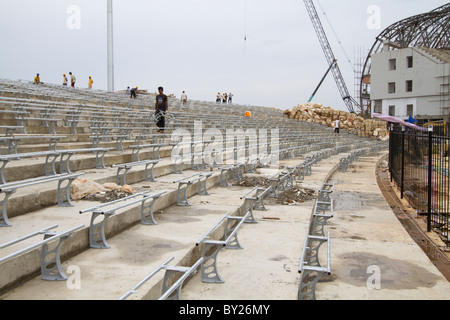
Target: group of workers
224, 98
132, 92
73, 80
161, 105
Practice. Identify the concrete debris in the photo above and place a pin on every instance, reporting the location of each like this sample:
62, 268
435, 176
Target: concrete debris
293, 196
84, 189
252, 182
106, 196
296, 195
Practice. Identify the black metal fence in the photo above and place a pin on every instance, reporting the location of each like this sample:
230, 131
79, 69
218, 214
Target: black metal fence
419, 165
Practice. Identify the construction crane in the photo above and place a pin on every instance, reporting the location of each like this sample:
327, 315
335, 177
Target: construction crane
329, 55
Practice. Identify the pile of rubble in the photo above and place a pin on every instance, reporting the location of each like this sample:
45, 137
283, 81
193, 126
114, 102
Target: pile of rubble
251, 181
296, 195
84, 189
292, 196
316, 113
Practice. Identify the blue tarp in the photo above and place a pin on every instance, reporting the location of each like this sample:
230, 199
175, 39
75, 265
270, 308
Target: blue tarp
412, 120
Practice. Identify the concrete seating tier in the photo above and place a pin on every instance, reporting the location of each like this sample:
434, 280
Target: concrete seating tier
35, 207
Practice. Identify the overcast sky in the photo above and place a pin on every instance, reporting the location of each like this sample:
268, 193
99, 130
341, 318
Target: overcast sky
197, 45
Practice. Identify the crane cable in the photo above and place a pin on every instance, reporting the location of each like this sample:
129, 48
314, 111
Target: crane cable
337, 38
245, 21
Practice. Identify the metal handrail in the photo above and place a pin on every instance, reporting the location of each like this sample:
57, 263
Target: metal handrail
13, 255
10, 243
143, 281
302, 265
212, 229
200, 175
136, 163
31, 182
181, 280
144, 194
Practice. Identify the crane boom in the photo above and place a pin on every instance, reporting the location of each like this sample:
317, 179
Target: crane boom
320, 83
329, 55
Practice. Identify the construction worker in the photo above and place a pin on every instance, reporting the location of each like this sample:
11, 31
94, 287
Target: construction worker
37, 79
133, 92
72, 79
184, 97
337, 125
161, 108
90, 82
65, 80
230, 98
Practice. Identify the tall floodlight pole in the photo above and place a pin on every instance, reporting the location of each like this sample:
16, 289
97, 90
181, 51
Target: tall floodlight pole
110, 47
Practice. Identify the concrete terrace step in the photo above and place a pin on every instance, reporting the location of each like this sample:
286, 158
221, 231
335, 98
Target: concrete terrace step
117, 224
30, 199
108, 274
70, 217
135, 249
35, 167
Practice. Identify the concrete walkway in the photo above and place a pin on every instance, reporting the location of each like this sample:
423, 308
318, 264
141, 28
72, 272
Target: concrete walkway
366, 237
368, 240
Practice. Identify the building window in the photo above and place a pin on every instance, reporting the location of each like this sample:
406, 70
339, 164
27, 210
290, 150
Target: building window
409, 62
378, 106
391, 87
392, 64
409, 86
392, 111
410, 110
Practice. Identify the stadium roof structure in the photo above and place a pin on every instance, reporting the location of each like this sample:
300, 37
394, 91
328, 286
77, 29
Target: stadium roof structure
429, 30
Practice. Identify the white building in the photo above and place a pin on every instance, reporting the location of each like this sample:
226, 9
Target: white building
411, 81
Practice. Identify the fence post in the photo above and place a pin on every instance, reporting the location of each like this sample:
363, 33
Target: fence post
402, 188
430, 175
391, 137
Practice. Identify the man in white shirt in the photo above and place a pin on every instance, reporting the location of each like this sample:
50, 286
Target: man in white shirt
337, 124
73, 80
184, 97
